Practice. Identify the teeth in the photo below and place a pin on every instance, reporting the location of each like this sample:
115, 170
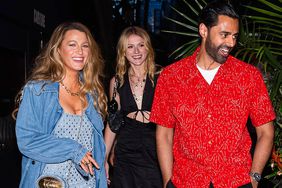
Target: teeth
136, 57
78, 58
224, 51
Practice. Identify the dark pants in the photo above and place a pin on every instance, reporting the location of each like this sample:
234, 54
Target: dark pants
249, 185
170, 185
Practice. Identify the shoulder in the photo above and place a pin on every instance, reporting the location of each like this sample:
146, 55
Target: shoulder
178, 67
243, 67
38, 87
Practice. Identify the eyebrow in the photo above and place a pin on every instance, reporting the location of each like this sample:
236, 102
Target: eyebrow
77, 42
229, 33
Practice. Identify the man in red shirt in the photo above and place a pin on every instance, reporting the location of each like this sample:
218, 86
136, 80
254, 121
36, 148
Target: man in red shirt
202, 104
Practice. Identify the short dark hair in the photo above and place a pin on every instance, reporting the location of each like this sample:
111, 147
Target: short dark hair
209, 14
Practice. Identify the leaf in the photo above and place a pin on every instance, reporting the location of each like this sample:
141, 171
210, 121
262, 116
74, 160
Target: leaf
264, 18
272, 60
184, 16
263, 11
191, 7
181, 33
196, 41
200, 5
271, 5
271, 31
182, 24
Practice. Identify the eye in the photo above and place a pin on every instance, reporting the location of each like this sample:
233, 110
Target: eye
142, 45
235, 37
224, 35
72, 45
85, 46
130, 46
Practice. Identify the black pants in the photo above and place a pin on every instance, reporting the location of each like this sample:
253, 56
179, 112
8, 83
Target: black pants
249, 185
170, 185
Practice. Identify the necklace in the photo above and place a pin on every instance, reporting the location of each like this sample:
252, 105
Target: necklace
69, 91
137, 89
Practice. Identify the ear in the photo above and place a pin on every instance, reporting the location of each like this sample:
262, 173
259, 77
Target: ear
203, 30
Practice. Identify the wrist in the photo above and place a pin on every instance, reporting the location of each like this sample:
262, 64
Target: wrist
256, 177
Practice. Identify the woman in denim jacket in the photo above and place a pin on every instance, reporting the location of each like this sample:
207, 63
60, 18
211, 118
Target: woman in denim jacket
60, 119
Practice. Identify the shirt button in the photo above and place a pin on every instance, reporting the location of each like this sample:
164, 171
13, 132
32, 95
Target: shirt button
33, 162
210, 142
209, 116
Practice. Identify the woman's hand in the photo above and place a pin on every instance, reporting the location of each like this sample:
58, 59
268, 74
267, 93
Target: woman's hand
107, 172
88, 162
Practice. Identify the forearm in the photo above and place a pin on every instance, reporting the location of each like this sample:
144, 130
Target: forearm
265, 134
164, 151
263, 148
109, 138
261, 155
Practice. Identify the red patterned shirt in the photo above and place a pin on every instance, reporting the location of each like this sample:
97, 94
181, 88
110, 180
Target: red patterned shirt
211, 140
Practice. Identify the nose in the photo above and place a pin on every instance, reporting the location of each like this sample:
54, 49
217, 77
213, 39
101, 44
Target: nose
231, 41
136, 50
79, 50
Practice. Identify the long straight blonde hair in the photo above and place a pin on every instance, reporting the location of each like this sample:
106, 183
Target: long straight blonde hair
123, 64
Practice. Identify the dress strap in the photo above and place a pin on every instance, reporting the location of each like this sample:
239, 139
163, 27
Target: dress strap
143, 112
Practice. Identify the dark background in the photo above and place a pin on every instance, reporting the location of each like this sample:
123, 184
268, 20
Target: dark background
21, 39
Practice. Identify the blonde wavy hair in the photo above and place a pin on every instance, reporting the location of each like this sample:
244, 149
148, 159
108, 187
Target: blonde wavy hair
123, 64
49, 66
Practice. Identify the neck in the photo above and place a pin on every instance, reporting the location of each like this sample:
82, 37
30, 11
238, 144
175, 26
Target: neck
136, 72
205, 61
71, 79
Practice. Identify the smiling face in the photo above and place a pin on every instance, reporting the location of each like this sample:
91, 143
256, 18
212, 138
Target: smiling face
74, 50
136, 51
221, 38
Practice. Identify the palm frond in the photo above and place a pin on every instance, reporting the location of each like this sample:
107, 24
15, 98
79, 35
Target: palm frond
181, 33
184, 16
271, 30
180, 49
271, 5
263, 11
182, 24
263, 19
191, 7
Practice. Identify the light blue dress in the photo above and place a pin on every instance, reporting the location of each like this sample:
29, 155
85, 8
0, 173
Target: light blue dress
78, 128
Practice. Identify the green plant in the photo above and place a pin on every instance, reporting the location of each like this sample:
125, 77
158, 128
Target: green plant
190, 24
259, 44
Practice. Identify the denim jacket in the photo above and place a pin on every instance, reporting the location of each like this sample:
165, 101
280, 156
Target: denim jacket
38, 114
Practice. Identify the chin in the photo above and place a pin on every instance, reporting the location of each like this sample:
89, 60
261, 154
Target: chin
138, 63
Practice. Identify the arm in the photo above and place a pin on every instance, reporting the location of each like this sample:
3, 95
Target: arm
265, 134
35, 120
110, 136
164, 138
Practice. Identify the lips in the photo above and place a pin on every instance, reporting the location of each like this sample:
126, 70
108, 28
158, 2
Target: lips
136, 57
224, 51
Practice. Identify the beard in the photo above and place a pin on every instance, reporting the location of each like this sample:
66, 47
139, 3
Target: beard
218, 53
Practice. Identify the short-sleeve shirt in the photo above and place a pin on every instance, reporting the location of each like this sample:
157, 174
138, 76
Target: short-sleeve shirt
211, 141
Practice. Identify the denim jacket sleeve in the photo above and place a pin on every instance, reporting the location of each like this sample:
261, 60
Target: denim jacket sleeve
37, 116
